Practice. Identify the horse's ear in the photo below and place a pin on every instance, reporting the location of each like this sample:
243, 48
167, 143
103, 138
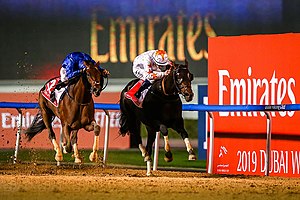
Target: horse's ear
171, 64
186, 62
86, 64
97, 63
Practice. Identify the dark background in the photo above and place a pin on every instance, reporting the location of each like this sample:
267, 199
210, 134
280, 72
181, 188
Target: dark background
36, 35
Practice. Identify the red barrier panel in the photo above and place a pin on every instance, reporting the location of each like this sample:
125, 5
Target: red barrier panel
255, 70
9, 118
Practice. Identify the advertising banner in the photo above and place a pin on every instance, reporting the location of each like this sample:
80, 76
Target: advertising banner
255, 70
10, 121
40, 34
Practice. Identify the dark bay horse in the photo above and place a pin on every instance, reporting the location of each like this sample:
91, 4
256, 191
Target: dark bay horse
75, 111
162, 109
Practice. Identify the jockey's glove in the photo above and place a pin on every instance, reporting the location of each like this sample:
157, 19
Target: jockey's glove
167, 72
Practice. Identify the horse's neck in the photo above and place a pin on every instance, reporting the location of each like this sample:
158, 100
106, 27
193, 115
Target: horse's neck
81, 91
167, 85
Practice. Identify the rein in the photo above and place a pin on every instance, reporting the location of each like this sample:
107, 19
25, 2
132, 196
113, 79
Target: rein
175, 83
85, 82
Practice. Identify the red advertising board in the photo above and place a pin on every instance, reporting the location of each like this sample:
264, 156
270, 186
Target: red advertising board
255, 70
9, 124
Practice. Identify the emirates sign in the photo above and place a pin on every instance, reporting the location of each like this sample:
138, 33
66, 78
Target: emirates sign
255, 70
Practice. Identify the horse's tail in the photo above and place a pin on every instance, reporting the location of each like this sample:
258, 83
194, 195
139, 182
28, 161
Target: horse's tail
35, 127
123, 125
129, 124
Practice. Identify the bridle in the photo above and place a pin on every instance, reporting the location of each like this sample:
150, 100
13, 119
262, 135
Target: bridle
96, 83
177, 83
93, 83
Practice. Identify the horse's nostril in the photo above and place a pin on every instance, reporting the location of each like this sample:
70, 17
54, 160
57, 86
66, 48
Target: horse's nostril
96, 92
189, 96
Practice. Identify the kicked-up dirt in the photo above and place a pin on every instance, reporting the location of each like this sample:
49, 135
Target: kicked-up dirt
47, 181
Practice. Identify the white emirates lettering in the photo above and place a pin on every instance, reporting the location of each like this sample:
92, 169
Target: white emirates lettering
246, 92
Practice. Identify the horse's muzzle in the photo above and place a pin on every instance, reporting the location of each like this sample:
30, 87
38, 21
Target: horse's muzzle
96, 91
188, 96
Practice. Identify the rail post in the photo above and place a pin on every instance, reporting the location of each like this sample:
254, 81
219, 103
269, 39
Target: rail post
18, 135
156, 151
268, 145
106, 137
211, 143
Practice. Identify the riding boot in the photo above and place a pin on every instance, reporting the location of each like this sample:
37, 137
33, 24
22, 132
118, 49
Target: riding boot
61, 84
144, 86
130, 94
52, 96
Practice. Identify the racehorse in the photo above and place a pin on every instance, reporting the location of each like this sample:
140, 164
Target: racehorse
75, 111
161, 109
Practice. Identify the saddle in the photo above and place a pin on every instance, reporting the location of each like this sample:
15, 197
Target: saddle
49, 87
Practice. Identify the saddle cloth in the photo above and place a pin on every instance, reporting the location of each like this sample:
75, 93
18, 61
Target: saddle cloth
49, 87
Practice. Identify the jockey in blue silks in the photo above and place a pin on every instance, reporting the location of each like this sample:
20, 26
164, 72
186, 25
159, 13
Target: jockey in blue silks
72, 66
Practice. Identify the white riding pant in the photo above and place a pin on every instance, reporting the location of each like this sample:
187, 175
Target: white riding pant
63, 74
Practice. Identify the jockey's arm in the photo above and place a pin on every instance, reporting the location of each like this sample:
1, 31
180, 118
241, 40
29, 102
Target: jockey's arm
140, 70
74, 73
154, 75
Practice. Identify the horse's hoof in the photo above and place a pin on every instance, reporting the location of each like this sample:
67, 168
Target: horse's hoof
69, 149
192, 155
148, 173
77, 161
168, 156
58, 157
64, 149
97, 129
93, 157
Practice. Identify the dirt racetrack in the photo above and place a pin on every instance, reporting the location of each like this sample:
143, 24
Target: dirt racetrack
45, 181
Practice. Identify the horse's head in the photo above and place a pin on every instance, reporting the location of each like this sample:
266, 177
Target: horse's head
94, 77
182, 80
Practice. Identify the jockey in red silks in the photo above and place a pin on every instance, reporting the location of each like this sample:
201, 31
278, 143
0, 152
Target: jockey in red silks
72, 66
148, 67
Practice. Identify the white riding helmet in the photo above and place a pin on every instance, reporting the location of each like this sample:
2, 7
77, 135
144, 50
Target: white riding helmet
160, 57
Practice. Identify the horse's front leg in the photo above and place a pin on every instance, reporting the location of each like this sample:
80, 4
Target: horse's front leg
168, 155
94, 126
190, 150
179, 128
76, 154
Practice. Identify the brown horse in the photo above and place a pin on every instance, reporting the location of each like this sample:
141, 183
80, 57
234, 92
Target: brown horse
75, 111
